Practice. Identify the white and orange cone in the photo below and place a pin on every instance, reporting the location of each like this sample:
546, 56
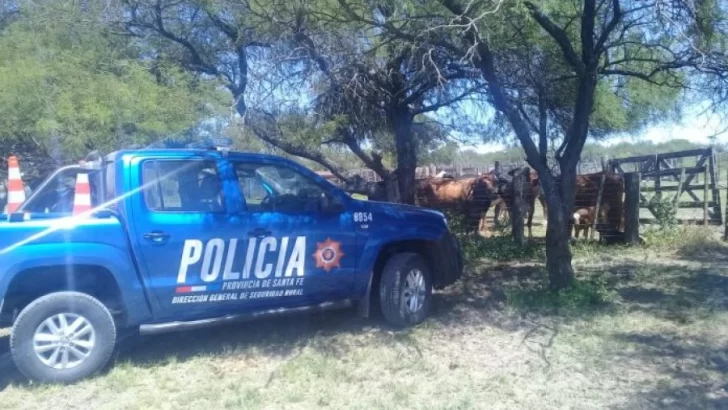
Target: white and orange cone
82, 196
16, 190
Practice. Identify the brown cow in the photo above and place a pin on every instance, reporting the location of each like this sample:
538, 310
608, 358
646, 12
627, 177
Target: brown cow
584, 218
469, 195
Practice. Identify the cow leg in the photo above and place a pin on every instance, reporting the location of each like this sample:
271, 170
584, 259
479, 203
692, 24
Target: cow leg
481, 224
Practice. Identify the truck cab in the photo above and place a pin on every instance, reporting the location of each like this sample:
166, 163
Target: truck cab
179, 239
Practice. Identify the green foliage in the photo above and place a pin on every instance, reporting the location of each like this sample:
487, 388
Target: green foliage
70, 86
582, 294
665, 211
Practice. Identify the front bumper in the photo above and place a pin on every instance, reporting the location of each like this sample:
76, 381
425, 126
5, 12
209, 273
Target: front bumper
449, 261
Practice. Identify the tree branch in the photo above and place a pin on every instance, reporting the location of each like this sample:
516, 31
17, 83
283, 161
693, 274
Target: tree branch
265, 127
559, 35
485, 62
194, 54
542, 126
373, 161
616, 17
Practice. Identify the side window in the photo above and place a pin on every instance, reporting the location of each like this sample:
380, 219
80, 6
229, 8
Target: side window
182, 186
277, 188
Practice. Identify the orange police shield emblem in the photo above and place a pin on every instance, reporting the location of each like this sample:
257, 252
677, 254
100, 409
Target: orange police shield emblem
328, 254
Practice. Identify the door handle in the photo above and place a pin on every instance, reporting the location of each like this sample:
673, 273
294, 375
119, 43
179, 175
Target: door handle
156, 236
259, 233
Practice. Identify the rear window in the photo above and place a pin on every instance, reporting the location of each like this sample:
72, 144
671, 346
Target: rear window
182, 186
56, 195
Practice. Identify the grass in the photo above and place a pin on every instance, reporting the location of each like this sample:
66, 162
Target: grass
644, 328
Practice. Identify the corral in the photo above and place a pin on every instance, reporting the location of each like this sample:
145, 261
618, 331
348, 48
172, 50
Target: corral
665, 180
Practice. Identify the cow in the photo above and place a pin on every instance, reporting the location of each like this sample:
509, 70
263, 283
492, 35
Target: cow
584, 219
470, 196
587, 192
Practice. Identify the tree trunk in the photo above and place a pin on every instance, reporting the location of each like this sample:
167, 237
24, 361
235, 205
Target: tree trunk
391, 187
520, 184
558, 254
401, 120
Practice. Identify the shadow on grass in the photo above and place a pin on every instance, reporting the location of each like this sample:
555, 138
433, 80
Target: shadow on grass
708, 252
696, 371
475, 299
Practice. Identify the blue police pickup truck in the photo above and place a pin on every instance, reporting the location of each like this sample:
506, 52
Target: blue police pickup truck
184, 238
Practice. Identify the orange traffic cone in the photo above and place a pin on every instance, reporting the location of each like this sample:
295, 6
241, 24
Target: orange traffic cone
16, 190
82, 196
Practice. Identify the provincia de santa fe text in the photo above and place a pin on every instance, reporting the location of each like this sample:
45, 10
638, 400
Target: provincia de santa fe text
269, 267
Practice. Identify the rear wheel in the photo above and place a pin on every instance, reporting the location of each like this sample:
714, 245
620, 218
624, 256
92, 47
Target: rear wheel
405, 289
63, 337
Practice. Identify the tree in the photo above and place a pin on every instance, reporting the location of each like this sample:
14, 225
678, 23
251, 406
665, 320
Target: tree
217, 39
548, 66
70, 87
361, 90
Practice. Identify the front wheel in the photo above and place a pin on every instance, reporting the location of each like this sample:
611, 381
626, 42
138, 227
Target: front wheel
405, 289
63, 337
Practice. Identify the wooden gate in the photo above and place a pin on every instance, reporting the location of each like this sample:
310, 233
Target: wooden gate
678, 172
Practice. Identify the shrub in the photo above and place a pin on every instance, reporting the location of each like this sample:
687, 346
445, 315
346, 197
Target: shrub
665, 212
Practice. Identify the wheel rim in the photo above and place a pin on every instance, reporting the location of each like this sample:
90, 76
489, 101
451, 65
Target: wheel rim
414, 291
64, 341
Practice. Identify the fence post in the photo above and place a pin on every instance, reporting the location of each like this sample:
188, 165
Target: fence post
632, 208
596, 208
705, 198
676, 202
497, 167
520, 179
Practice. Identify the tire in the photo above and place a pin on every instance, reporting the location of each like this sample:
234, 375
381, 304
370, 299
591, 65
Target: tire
34, 321
393, 290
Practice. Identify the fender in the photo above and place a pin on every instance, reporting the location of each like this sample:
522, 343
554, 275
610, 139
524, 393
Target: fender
105, 256
378, 240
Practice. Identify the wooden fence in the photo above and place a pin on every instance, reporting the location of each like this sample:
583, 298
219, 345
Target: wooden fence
678, 172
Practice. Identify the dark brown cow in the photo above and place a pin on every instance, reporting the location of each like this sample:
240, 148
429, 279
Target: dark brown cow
587, 192
504, 198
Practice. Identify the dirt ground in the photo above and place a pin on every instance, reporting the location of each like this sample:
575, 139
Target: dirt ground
661, 342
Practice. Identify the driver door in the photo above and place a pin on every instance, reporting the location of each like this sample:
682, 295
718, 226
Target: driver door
301, 241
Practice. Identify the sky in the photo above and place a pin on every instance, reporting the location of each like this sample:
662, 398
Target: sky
695, 128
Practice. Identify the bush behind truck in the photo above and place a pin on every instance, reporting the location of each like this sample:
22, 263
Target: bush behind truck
184, 238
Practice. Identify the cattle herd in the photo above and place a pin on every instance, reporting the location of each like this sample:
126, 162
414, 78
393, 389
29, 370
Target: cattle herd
472, 197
